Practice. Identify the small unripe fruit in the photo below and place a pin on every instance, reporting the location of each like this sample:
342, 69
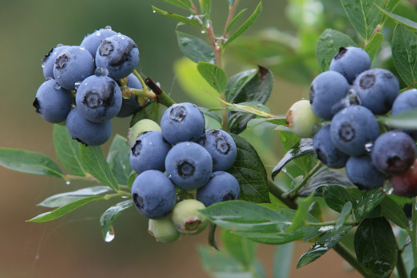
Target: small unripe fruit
187, 219
301, 119
137, 129
163, 230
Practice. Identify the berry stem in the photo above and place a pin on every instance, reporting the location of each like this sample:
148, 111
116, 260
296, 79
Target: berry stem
402, 270
293, 193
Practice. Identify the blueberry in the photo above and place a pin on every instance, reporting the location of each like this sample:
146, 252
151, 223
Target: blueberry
99, 98
352, 128
72, 65
406, 101
163, 230
405, 184
149, 152
48, 62
153, 194
130, 105
326, 151
363, 174
86, 132
350, 62
92, 41
187, 219
393, 152
53, 102
326, 90
221, 147
301, 119
119, 54
376, 90
222, 186
182, 122
188, 165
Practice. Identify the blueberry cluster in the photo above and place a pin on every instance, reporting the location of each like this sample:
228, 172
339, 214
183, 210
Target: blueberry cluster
92, 71
350, 95
181, 158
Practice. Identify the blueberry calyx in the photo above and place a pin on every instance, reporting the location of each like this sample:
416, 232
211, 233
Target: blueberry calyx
177, 113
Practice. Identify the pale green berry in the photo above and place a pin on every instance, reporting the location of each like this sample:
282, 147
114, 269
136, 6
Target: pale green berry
186, 217
163, 230
301, 119
137, 129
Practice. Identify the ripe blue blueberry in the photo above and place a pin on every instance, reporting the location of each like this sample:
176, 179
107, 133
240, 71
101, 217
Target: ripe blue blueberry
99, 98
119, 54
48, 62
149, 152
72, 66
188, 165
326, 151
350, 62
153, 194
130, 105
92, 41
393, 152
222, 186
352, 128
376, 90
53, 102
86, 132
362, 173
182, 122
406, 101
326, 90
221, 147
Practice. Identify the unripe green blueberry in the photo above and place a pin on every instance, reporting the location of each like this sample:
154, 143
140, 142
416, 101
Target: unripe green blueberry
163, 230
301, 119
137, 129
187, 219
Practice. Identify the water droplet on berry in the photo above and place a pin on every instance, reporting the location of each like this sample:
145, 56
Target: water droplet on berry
98, 33
77, 85
82, 48
110, 234
108, 27
101, 72
369, 146
57, 86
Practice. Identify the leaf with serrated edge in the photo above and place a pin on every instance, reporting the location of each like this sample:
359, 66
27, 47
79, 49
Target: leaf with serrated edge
107, 218
250, 172
195, 48
68, 151
404, 53
97, 165
62, 199
29, 162
52, 215
214, 75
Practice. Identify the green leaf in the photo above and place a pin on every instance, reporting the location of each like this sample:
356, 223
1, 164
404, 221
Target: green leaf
394, 212
131, 179
257, 89
241, 249
374, 45
237, 82
254, 122
235, 20
52, 215
186, 20
406, 120
29, 162
282, 260
107, 218
323, 245
369, 200
303, 148
246, 25
63, 199
214, 75
328, 45
324, 179
400, 19
364, 15
97, 166
250, 172
205, 6
68, 151
344, 214
150, 111
301, 214
336, 197
376, 247
195, 48
404, 52
119, 159
414, 273
185, 4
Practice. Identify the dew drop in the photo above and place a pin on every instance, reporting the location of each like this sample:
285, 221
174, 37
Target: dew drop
154, 11
108, 27
109, 235
67, 182
43, 66
101, 72
98, 33
369, 146
57, 86
77, 85
203, 31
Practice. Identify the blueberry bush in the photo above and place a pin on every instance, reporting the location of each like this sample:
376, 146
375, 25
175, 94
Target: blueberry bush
348, 175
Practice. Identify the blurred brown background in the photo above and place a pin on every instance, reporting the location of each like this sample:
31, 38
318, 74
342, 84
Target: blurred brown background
72, 246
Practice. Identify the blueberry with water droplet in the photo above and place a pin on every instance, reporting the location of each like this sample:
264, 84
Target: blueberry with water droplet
92, 41
48, 62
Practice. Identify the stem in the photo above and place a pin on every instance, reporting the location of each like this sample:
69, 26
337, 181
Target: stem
402, 271
88, 177
292, 193
161, 96
413, 234
229, 18
343, 251
216, 49
278, 192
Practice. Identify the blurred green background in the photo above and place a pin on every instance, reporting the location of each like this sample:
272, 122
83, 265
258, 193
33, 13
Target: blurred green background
72, 246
